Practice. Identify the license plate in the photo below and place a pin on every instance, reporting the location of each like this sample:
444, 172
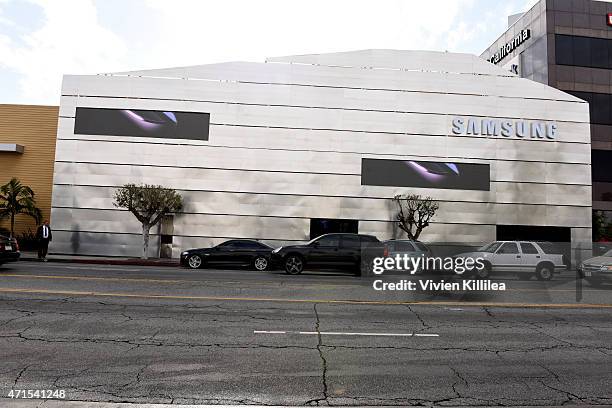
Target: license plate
588, 273
8, 248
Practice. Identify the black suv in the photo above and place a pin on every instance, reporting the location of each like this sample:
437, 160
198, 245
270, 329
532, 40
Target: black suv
327, 251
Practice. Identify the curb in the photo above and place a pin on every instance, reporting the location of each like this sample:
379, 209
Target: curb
108, 261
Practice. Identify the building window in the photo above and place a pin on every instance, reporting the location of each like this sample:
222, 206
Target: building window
601, 165
600, 106
533, 233
583, 51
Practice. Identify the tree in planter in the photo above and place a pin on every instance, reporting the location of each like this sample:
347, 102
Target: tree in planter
149, 204
414, 213
15, 199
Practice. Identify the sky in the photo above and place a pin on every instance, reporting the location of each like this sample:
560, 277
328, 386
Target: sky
40, 40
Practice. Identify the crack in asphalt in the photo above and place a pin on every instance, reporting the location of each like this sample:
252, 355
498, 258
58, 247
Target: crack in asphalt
153, 344
419, 318
461, 379
23, 370
320, 346
570, 396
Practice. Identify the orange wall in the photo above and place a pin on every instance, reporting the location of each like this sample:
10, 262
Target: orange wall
34, 127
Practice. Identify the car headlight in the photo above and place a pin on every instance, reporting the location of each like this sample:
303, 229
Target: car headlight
184, 253
277, 249
606, 268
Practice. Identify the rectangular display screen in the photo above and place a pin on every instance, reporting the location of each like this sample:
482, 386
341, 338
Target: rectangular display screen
425, 174
142, 123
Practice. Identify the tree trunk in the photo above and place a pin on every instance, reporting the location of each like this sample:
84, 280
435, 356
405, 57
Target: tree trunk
417, 233
12, 225
145, 240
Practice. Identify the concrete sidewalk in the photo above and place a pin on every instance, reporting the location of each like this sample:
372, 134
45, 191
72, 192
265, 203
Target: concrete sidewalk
33, 256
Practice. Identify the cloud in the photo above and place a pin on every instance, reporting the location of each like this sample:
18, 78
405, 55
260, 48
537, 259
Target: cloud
119, 35
193, 31
71, 40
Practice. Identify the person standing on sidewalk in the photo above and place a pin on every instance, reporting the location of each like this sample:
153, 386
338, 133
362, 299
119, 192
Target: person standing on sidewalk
44, 236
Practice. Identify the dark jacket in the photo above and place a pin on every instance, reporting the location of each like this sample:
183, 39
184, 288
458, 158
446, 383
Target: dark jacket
39, 233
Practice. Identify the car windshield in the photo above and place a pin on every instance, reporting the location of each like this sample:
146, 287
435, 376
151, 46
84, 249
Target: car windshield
492, 247
609, 253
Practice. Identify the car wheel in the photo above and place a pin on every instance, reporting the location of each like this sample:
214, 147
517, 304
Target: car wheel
544, 273
194, 261
483, 273
260, 263
294, 264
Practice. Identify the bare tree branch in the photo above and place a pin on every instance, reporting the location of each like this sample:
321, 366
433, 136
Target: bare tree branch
414, 213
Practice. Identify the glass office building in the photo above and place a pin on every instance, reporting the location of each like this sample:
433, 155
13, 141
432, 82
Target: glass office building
570, 48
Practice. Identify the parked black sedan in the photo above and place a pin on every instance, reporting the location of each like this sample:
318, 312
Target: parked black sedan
338, 250
244, 252
9, 250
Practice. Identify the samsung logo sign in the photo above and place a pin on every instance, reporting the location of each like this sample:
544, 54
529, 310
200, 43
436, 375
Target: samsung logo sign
510, 46
506, 128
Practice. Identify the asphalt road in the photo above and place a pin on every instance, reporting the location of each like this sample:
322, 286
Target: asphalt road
169, 335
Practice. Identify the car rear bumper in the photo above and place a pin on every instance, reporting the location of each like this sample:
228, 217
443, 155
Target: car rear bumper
9, 257
596, 274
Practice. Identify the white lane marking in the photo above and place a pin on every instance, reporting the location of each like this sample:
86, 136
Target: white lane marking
346, 333
268, 332
360, 334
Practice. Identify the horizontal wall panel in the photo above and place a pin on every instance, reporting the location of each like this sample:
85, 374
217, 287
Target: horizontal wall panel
302, 146
435, 232
194, 225
233, 207
322, 118
101, 244
346, 77
341, 98
286, 185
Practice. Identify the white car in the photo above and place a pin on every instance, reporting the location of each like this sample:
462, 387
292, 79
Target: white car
525, 258
597, 270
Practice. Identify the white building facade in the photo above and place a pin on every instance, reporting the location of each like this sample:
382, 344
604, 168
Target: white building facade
282, 150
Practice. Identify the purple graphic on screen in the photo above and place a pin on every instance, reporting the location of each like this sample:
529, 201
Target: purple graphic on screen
453, 167
150, 120
171, 115
434, 172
